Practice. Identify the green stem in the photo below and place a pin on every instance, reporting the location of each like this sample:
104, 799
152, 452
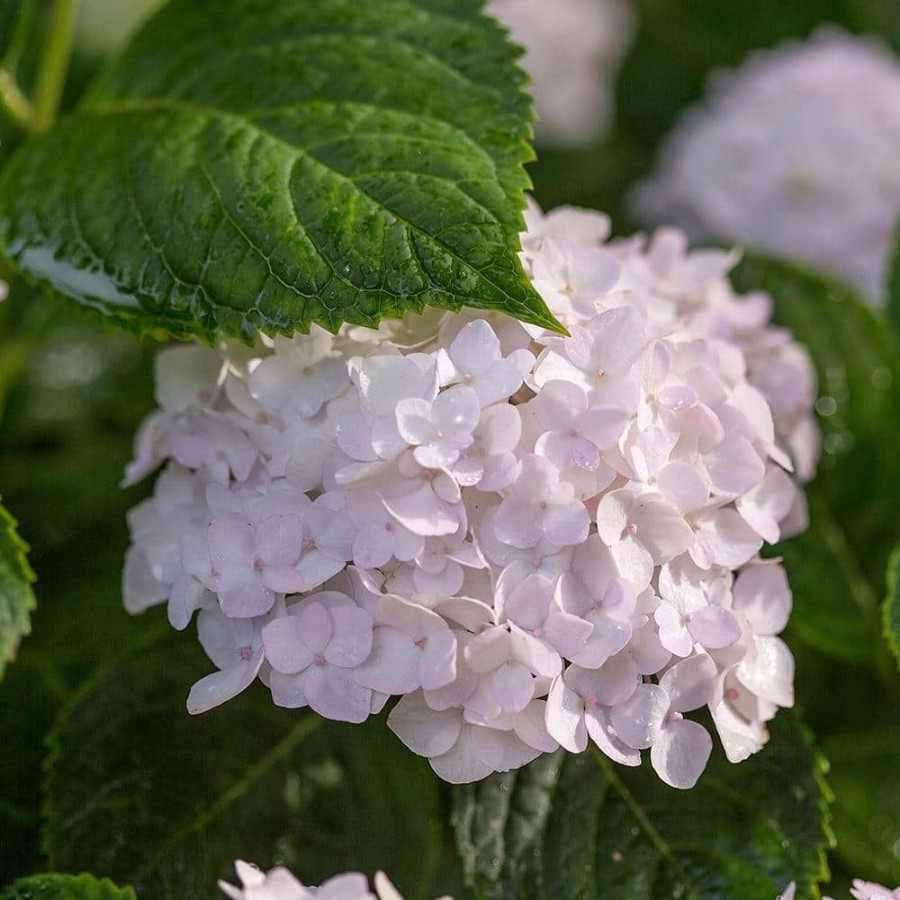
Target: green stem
14, 104
54, 63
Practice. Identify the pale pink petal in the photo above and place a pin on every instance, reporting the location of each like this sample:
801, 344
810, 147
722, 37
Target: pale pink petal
437, 666
690, 683
771, 674
242, 594
461, 763
681, 752
351, 641
513, 687
285, 648
424, 730
565, 717
761, 593
278, 539
714, 627
220, 686
333, 694
393, 666
639, 719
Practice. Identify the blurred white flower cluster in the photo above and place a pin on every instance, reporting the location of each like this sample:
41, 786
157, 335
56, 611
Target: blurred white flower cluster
572, 53
280, 884
861, 890
534, 540
794, 152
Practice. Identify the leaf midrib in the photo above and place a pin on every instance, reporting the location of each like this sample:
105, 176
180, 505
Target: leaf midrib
164, 104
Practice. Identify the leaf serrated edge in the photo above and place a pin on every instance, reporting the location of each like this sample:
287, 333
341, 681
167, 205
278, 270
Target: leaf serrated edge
821, 768
20, 549
33, 883
890, 610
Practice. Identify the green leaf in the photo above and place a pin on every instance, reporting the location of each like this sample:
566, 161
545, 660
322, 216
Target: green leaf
16, 596
143, 792
303, 161
580, 827
892, 605
66, 887
864, 775
837, 566
893, 285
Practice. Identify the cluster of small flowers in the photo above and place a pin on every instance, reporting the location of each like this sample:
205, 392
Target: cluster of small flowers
794, 152
861, 890
572, 53
535, 540
280, 884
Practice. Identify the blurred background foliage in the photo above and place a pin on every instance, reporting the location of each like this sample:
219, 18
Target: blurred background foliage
72, 393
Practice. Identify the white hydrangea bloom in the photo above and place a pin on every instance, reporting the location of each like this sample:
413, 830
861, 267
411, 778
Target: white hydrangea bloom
573, 50
532, 540
793, 152
280, 884
861, 890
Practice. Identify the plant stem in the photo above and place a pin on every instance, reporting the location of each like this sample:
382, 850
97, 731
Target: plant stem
54, 63
14, 103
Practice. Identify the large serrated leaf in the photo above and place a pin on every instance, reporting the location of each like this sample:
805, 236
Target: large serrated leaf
865, 776
66, 887
284, 163
16, 596
891, 610
580, 827
144, 793
837, 566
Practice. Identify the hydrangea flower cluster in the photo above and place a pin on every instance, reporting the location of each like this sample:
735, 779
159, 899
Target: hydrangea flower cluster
280, 884
534, 540
794, 152
573, 49
861, 890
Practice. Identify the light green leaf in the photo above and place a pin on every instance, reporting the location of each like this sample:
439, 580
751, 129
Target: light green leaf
837, 566
261, 165
892, 605
581, 827
66, 887
16, 596
863, 772
145, 793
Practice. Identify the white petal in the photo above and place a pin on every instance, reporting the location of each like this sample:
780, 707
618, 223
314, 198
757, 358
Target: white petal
681, 752
639, 719
513, 687
422, 729
565, 717
690, 683
351, 641
285, 647
771, 674
393, 666
220, 686
333, 694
